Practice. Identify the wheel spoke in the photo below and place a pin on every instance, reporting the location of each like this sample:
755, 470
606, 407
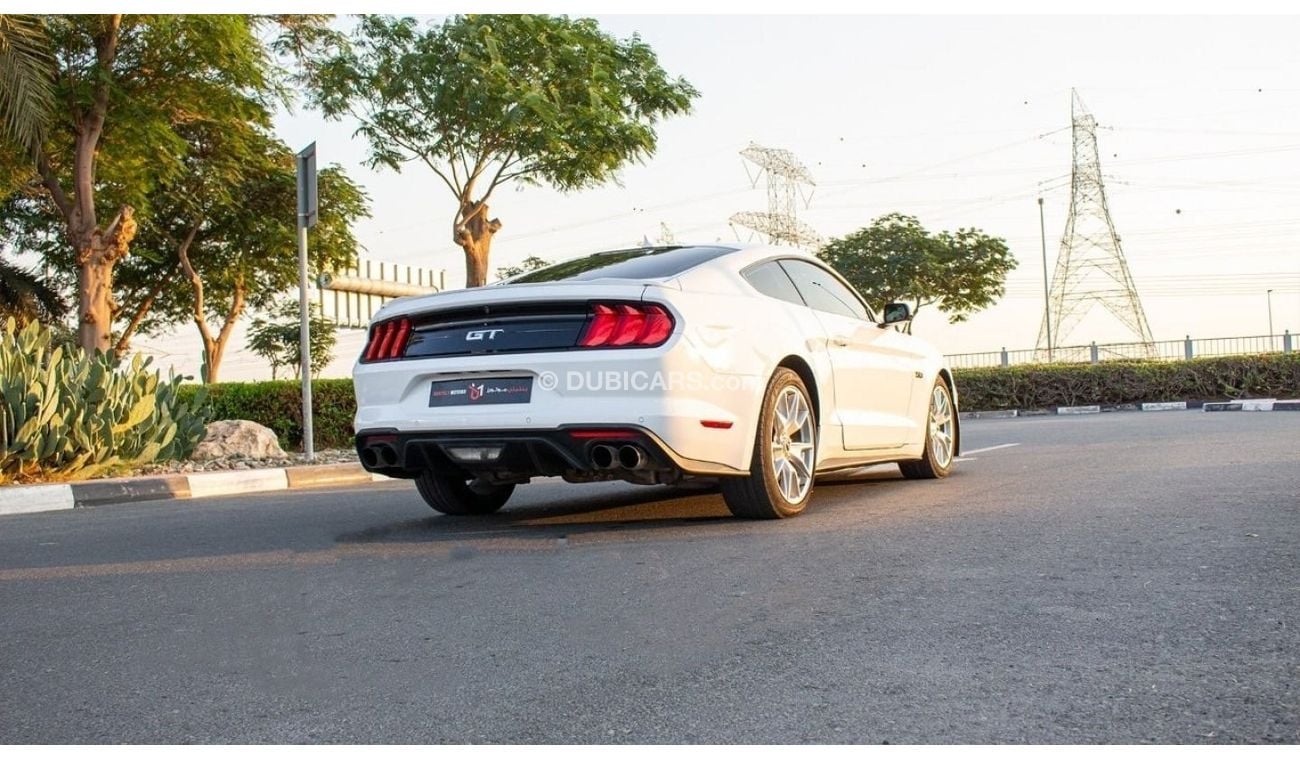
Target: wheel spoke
800, 468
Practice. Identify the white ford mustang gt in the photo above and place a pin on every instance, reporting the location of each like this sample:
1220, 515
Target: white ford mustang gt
755, 367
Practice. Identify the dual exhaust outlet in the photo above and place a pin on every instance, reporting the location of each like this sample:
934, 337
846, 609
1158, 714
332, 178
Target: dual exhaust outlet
379, 455
627, 457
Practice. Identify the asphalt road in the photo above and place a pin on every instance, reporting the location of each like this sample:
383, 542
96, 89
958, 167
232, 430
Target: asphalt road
1114, 578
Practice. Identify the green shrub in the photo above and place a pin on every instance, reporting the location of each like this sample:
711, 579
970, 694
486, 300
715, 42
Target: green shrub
1039, 386
67, 415
278, 405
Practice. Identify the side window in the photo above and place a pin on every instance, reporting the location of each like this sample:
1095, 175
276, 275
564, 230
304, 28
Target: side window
823, 291
770, 280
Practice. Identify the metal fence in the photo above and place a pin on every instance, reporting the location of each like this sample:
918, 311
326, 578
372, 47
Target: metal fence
1164, 350
351, 297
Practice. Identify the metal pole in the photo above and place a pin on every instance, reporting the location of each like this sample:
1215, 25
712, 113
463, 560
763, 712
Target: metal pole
304, 341
1047, 301
1270, 319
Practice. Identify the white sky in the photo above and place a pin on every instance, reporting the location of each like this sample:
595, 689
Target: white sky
943, 117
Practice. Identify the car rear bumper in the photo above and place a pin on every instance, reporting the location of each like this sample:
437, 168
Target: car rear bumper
526, 452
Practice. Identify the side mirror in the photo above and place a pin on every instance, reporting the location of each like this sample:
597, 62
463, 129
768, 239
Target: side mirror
895, 313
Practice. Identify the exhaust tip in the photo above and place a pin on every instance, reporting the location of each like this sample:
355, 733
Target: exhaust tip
385, 455
602, 457
631, 457
368, 457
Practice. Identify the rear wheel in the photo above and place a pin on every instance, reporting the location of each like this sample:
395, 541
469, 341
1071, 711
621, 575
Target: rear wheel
785, 454
940, 436
454, 495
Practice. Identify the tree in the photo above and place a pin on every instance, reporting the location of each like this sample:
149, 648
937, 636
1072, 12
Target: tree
527, 265
240, 252
483, 100
278, 339
220, 238
126, 87
896, 259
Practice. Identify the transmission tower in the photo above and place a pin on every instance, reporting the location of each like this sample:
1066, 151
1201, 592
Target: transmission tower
1090, 268
786, 177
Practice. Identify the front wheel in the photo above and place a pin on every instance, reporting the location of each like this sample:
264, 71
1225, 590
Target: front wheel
452, 495
780, 477
940, 437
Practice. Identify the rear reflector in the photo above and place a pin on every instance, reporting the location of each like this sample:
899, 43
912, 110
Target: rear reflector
626, 325
387, 340
716, 424
602, 434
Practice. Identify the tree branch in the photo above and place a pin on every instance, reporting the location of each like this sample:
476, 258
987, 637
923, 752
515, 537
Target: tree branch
141, 311
496, 178
51, 182
233, 314
196, 283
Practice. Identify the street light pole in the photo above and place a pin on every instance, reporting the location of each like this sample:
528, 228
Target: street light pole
1269, 294
1047, 301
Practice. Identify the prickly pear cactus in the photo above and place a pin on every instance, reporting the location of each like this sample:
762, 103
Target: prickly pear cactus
66, 415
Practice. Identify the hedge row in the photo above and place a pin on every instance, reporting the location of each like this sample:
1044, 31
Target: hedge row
278, 405
1037, 386
1042, 386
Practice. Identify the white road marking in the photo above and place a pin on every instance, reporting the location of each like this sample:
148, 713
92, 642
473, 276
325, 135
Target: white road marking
990, 448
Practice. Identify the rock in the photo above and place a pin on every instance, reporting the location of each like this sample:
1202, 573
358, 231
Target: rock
238, 438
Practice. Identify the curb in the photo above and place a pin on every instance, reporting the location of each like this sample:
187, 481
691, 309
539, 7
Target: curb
1254, 405
15, 500
1244, 405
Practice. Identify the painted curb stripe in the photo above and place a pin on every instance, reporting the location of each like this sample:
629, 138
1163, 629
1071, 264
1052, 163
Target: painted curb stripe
237, 481
21, 500
1091, 409
1164, 406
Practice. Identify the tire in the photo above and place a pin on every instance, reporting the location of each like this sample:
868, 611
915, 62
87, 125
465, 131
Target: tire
940, 437
780, 477
453, 495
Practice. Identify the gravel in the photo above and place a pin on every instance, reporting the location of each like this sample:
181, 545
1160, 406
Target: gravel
328, 456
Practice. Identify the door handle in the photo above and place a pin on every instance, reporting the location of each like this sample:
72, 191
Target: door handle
838, 341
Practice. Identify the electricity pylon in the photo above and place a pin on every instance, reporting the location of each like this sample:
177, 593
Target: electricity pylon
1090, 269
785, 175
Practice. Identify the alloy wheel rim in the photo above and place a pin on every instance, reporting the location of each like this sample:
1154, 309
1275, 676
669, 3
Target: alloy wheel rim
940, 427
793, 444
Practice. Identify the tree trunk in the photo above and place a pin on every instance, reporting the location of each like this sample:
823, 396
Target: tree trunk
97, 253
473, 232
214, 346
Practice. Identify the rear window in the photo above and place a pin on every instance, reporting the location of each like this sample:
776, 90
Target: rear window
632, 264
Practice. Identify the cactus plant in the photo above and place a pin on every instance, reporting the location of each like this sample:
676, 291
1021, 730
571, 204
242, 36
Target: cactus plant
68, 415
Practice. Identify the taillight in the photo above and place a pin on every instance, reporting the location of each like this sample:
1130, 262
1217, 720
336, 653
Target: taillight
626, 325
388, 340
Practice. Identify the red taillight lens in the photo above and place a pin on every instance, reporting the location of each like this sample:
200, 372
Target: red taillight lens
601, 327
388, 340
631, 320
626, 325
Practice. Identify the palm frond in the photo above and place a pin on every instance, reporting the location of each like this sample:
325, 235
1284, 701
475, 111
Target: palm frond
26, 297
26, 83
